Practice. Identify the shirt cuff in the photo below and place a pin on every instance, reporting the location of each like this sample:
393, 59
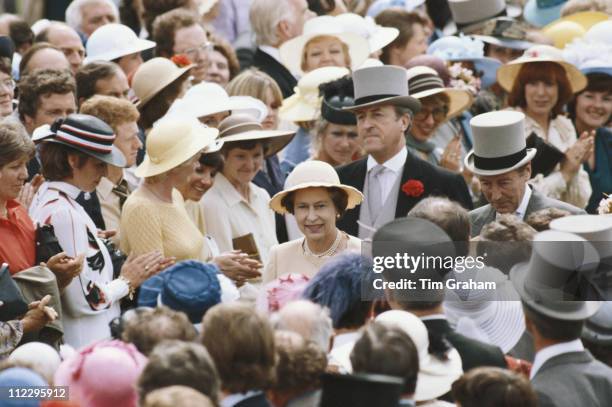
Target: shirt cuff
117, 289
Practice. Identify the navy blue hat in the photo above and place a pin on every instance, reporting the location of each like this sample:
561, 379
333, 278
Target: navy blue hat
339, 284
189, 286
7, 48
336, 95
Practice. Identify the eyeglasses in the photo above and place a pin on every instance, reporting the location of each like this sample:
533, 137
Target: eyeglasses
438, 114
205, 48
8, 84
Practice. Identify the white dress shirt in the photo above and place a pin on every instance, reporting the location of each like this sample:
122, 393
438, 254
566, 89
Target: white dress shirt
550, 352
270, 50
393, 168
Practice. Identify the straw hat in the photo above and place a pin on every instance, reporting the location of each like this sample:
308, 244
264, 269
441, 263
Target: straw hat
173, 141
291, 51
435, 376
378, 36
153, 76
242, 127
314, 174
503, 32
540, 53
305, 104
112, 41
566, 29
424, 81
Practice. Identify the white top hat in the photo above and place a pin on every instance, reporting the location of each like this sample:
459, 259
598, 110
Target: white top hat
499, 143
597, 229
112, 41
291, 52
378, 36
466, 12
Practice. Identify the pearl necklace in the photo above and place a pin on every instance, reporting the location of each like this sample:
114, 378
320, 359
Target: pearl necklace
332, 249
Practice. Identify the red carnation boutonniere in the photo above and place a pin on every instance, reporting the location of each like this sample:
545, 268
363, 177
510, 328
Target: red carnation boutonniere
180, 60
413, 188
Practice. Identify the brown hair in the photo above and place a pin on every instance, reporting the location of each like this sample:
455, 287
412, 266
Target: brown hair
14, 142
113, 111
404, 22
154, 8
241, 342
54, 160
338, 196
43, 82
88, 75
244, 145
224, 48
177, 395
547, 72
255, 83
159, 104
300, 362
540, 220
493, 387
166, 26
597, 82
345, 50
5, 66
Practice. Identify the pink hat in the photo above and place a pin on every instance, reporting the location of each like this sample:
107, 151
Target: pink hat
277, 293
103, 374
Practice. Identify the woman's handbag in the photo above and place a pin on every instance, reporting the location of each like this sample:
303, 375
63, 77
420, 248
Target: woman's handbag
13, 303
47, 244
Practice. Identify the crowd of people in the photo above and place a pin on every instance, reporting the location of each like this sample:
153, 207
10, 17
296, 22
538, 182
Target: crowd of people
202, 202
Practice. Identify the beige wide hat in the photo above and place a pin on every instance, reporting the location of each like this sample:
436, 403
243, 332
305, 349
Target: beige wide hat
291, 51
314, 174
305, 103
173, 141
153, 76
424, 81
243, 127
506, 74
499, 143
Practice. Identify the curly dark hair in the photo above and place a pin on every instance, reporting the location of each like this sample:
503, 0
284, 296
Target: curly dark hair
41, 83
154, 8
166, 25
492, 386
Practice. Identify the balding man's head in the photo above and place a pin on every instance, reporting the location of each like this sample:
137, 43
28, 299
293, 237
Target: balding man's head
67, 40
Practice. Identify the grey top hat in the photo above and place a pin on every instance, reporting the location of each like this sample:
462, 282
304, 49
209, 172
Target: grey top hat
499, 143
382, 85
468, 12
598, 328
553, 282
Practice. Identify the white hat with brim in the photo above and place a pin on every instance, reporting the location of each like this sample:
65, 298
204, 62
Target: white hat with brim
536, 54
291, 52
314, 174
173, 141
424, 81
155, 75
242, 127
112, 41
499, 143
378, 36
435, 376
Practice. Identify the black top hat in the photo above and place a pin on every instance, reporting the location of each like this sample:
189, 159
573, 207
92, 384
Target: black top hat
85, 133
361, 390
336, 95
554, 282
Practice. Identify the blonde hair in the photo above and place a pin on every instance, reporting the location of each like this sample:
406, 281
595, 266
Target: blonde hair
314, 40
255, 83
113, 111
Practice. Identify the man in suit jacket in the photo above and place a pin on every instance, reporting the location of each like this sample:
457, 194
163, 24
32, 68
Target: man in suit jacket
502, 163
563, 374
275, 22
392, 179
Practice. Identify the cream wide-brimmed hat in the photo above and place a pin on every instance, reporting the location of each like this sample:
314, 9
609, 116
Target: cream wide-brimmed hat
378, 36
153, 76
291, 51
173, 141
506, 74
314, 174
424, 81
112, 41
305, 103
243, 127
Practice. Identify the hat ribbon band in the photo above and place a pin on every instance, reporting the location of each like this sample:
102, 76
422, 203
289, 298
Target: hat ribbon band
499, 163
83, 143
421, 83
374, 98
337, 116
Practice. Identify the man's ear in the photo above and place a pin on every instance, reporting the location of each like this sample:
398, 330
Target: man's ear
406, 121
73, 161
282, 30
527, 169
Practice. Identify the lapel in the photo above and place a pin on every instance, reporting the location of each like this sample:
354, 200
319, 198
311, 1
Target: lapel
352, 174
413, 169
535, 203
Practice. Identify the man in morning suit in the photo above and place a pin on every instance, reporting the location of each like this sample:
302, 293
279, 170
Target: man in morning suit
392, 179
502, 163
275, 22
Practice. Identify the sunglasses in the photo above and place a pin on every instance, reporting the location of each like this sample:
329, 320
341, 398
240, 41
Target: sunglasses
438, 114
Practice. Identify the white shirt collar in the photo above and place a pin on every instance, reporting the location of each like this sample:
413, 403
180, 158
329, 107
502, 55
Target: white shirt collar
69, 189
432, 317
395, 163
550, 352
272, 51
522, 208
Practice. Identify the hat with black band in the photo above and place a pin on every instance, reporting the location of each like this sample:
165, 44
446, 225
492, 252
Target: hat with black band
338, 94
499, 143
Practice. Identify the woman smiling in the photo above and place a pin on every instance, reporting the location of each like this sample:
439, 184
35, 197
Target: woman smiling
315, 196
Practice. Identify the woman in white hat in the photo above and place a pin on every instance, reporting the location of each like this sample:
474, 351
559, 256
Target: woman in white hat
314, 195
75, 153
540, 83
154, 215
438, 105
324, 42
236, 210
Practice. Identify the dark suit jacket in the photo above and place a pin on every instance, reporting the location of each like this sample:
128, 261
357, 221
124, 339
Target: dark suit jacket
259, 400
473, 353
573, 379
437, 182
479, 217
285, 80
